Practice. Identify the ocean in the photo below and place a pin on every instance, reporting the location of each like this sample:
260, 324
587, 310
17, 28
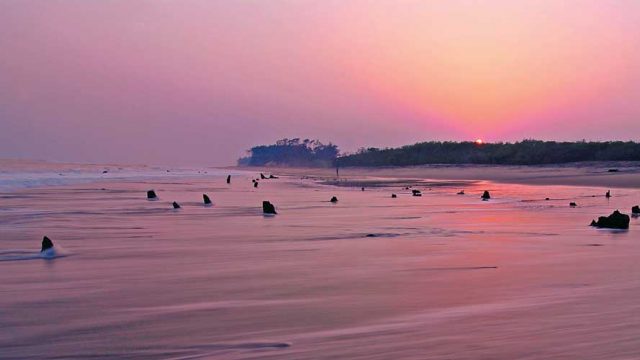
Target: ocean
441, 276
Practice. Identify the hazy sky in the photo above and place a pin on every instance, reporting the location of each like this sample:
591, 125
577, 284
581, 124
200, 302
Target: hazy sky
200, 81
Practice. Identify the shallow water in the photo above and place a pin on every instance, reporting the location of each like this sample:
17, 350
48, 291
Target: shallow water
442, 276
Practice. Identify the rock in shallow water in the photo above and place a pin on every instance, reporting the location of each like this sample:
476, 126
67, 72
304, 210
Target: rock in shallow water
616, 220
268, 208
46, 244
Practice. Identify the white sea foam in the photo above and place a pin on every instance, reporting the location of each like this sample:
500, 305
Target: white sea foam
20, 254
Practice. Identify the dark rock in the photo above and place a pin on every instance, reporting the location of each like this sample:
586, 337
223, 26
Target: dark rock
268, 208
616, 220
255, 184
362, 188
608, 194
485, 195
371, 235
547, 199
206, 199
613, 170
228, 179
272, 176
176, 205
572, 204
394, 196
104, 171
635, 210
415, 192
461, 192
262, 176
151, 195
46, 244
334, 199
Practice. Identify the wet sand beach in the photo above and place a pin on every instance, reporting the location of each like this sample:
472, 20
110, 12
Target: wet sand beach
627, 174
442, 276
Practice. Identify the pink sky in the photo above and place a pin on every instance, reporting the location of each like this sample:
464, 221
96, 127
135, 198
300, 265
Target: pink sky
200, 81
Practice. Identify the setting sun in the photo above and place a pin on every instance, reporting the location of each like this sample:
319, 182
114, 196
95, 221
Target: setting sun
479, 142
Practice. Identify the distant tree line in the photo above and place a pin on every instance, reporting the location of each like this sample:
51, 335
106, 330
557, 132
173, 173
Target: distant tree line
526, 152
292, 152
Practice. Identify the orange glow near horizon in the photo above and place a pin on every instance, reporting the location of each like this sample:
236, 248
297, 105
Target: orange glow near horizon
479, 68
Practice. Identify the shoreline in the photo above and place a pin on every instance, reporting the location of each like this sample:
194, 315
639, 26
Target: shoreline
575, 174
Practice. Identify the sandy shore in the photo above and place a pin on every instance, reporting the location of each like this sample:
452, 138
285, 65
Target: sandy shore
441, 276
581, 174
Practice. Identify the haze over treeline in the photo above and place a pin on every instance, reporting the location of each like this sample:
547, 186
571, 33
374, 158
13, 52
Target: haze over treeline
527, 152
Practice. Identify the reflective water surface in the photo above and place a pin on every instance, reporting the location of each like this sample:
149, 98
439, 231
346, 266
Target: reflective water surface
442, 276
